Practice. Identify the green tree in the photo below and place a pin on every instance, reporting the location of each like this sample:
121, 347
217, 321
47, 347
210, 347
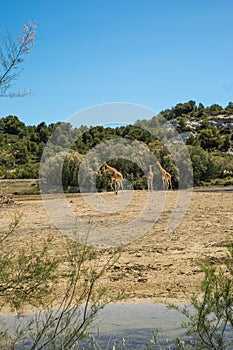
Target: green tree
12, 125
200, 161
184, 108
21, 155
210, 138
70, 171
192, 140
215, 109
226, 143
229, 108
43, 132
182, 127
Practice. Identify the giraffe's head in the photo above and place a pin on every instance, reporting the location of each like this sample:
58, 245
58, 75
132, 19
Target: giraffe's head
104, 166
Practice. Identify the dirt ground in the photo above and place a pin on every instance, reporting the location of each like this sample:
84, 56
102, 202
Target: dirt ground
158, 265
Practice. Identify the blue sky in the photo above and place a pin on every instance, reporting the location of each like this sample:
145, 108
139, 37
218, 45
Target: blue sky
147, 52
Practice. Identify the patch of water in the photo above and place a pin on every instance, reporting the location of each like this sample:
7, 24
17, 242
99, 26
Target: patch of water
135, 323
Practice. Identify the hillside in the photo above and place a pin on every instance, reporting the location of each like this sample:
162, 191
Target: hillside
207, 132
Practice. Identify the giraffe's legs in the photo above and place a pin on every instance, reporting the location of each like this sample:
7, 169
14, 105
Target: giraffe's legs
119, 185
111, 184
169, 183
150, 185
164, 184
116, 185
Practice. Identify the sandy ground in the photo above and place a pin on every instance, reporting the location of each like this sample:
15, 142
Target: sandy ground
155, 264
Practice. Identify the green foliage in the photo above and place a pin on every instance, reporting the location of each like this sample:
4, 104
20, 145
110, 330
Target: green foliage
30, 276
26, 274
215, 109
22, 146
200, 119
226, 143
130, 171
70, 171
210, 320
12, 125
229, 108
202, 165
210, 139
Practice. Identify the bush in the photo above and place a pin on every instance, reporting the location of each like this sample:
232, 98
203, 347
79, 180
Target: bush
30, 276
210, 322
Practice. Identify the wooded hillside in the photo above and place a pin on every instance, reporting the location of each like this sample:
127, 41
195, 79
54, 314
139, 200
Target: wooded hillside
207, 132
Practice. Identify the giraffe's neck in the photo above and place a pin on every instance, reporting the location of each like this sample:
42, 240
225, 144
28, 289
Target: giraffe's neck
112, 170
160, 167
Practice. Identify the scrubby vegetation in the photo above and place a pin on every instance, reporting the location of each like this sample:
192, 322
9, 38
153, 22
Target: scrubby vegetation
207, 132
63, 290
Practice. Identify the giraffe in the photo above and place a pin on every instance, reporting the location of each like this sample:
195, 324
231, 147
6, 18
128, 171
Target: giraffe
116, 178
150, 176
166, 177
